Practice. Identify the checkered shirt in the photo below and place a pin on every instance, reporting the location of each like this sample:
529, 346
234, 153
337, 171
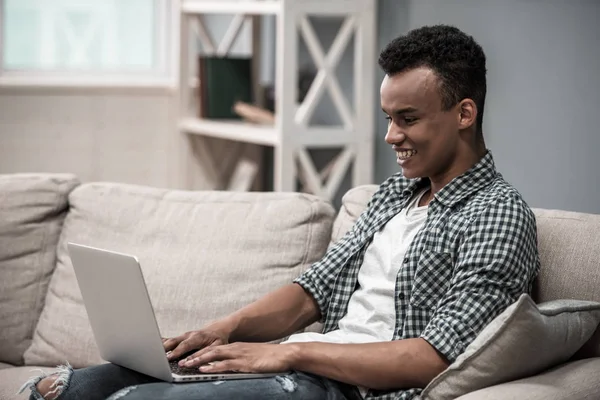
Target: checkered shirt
476, 253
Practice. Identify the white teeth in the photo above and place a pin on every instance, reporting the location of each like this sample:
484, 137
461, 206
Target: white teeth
406, 153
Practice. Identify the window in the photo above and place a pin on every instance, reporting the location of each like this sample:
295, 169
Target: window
117, 41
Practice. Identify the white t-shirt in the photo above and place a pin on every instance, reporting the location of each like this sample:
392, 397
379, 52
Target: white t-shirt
371, 313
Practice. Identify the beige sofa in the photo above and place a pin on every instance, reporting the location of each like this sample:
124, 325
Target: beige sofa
205, 254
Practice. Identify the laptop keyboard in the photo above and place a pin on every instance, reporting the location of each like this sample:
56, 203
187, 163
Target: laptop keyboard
176, 369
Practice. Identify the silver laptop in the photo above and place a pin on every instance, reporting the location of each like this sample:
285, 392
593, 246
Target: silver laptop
122, 317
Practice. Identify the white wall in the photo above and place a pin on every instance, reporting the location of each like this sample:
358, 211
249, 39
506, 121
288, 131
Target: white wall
115, 135
120, 135
98, 136
541, 111
541, 114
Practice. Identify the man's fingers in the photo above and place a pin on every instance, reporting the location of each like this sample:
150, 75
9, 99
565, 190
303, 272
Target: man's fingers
224, 366
206, 355
170, 344
183, 347
205, 350
186, 346
193, 360
196, 355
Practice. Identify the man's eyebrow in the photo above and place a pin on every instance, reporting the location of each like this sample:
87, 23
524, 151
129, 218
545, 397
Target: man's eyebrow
405, 110
400, 111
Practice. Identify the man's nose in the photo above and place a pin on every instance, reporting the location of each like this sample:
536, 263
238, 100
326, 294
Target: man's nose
394, 135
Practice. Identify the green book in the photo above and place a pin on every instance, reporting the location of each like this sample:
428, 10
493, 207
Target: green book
223, 81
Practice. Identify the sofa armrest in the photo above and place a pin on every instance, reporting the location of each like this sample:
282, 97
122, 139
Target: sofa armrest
577, 380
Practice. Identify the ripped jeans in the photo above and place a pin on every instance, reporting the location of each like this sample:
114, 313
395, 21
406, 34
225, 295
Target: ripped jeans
112, 382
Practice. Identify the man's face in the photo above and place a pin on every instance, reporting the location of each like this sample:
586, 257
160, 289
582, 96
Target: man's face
424, 137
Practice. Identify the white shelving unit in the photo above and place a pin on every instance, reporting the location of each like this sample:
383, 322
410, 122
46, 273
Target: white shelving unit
292, 135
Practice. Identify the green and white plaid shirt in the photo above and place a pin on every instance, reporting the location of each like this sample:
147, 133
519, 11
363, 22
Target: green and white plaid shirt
476, 253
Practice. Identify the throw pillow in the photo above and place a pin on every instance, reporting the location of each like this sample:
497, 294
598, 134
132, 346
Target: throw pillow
32, 211
524, 340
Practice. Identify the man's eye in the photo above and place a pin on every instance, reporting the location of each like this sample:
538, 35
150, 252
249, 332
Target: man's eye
388, 117
410, 120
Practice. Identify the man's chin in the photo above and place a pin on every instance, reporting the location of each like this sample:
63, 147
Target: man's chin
410, 173
408, 168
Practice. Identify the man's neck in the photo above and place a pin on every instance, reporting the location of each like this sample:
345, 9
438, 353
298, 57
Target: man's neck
466, 163
426, 198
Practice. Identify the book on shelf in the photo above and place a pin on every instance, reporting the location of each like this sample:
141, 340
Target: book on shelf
223, 82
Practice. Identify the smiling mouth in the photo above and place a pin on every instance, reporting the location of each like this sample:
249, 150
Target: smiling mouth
405, 154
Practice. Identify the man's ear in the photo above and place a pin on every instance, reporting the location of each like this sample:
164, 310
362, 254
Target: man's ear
467, 113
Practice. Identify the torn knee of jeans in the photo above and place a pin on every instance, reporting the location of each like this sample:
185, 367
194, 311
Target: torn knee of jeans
287, 383
122, 393
61, 382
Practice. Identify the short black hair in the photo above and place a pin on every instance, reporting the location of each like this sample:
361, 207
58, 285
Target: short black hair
455, 57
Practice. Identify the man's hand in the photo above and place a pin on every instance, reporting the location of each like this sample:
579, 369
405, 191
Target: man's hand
243, 357
194, 340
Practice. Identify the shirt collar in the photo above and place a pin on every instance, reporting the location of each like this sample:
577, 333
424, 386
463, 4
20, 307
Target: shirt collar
479, 176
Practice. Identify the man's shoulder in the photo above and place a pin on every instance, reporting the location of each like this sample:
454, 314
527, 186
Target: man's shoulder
500, 200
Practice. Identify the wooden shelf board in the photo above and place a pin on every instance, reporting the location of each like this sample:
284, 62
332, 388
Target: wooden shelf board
230, 7
232, 130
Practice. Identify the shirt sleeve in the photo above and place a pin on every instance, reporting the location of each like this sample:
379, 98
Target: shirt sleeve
320, 278
496, 262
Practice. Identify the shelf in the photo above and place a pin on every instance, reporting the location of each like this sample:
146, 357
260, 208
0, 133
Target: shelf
293, 135
232, 130
230, 7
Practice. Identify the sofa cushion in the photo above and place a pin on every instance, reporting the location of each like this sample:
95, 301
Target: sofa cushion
203, 255
11, 380
354, 203
32, 210
576, 380
524, 340
4, 365
568, 244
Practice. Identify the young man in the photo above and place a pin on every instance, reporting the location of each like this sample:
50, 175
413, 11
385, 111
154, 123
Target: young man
443, 247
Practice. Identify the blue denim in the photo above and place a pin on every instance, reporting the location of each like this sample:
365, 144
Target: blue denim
112, 382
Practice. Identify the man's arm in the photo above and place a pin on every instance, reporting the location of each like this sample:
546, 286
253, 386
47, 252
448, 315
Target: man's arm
276, 315
296, 306
497, 261
399, 364
320, 279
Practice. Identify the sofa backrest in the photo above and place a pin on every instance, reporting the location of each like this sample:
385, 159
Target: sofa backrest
203, 255
354, 203
32, 211
568, 243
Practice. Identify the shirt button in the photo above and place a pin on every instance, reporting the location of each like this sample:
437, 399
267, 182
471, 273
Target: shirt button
401, 295
405, 260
